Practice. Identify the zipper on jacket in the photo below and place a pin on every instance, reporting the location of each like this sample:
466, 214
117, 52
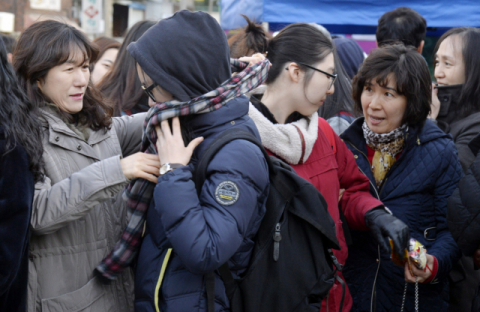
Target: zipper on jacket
383, 184
277, 237
373, 186
160, 278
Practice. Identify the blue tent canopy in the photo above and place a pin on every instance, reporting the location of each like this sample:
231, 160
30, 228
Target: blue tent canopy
230, 17
351, 16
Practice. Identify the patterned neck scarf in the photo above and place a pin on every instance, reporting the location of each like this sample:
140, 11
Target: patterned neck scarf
386, 147
139, 192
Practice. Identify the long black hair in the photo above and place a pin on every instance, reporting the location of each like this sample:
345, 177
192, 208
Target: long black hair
470, 94
18, 117
297, 43
306, 44
121, 87
341, 100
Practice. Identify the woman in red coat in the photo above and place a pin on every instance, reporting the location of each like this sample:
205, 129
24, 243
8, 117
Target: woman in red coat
301, 76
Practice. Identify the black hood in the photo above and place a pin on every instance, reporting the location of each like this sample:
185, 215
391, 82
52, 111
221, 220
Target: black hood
186, 54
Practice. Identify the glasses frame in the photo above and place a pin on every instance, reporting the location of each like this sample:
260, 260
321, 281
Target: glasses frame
148, 91
333, 77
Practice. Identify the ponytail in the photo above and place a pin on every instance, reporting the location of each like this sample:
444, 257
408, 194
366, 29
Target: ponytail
249, 40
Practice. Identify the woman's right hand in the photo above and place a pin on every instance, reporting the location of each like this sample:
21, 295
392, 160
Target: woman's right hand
435, 106
141, 165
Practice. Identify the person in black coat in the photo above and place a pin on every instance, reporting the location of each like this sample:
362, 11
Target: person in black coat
464, 208
20, 167
456, 100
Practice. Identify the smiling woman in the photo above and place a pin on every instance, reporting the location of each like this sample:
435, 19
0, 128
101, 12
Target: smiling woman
89, 157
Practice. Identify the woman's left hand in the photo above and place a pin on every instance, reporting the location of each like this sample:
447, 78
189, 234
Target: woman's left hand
170, 146
422, 275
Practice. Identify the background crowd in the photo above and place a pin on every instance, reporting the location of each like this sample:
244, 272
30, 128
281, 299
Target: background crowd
100, 205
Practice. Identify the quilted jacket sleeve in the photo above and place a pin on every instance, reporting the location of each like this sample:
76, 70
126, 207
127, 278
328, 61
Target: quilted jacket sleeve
449, 173
356, 200
204, 232
464, 210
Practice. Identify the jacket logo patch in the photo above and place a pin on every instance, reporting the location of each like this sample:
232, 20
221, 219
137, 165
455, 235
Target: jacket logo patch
227, 193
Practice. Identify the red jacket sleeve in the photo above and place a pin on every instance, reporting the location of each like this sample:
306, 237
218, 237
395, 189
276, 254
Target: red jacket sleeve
356, 200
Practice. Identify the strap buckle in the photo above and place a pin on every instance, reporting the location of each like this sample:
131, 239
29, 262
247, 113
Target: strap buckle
425, 233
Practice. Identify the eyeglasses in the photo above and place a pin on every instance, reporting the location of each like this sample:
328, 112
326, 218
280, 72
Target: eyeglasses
148, 91
333, 77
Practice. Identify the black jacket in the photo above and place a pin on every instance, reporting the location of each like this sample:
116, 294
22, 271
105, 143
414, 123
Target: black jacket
16, 196
462, 129
464, 207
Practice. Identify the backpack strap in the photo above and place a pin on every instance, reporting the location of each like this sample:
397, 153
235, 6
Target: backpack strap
323, 124
200, 176
210, 287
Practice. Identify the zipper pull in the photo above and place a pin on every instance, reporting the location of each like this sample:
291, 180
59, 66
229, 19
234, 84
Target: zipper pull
335, 260
277, 237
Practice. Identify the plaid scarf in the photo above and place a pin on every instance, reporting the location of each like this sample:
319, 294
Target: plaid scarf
139, 192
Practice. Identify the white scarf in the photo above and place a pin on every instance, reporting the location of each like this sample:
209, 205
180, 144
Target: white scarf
284, 140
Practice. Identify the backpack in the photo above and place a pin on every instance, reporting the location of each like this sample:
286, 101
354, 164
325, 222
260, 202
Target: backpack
291, 267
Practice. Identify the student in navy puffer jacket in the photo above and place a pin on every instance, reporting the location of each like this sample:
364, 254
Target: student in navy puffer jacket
188, 235
413, 168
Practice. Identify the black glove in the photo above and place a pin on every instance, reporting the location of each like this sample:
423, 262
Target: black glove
384, 225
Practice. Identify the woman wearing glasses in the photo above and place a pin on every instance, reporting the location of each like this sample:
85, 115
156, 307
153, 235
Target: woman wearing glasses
301, 76
77, 213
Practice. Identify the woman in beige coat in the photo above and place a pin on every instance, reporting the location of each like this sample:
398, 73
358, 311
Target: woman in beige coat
77, 213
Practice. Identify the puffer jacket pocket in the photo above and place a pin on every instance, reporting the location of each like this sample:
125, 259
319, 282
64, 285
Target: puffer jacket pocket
85, 299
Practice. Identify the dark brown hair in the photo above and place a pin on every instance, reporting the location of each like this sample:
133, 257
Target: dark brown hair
47, 44
120, 86
411, 74
470, 45
249, 40
105, 43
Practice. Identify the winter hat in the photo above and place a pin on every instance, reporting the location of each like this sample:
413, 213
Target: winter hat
350, 53
196, 61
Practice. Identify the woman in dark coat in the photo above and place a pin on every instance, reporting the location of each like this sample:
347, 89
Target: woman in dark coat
413, 169
464, 209
458, 103
188, 233
20, 167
